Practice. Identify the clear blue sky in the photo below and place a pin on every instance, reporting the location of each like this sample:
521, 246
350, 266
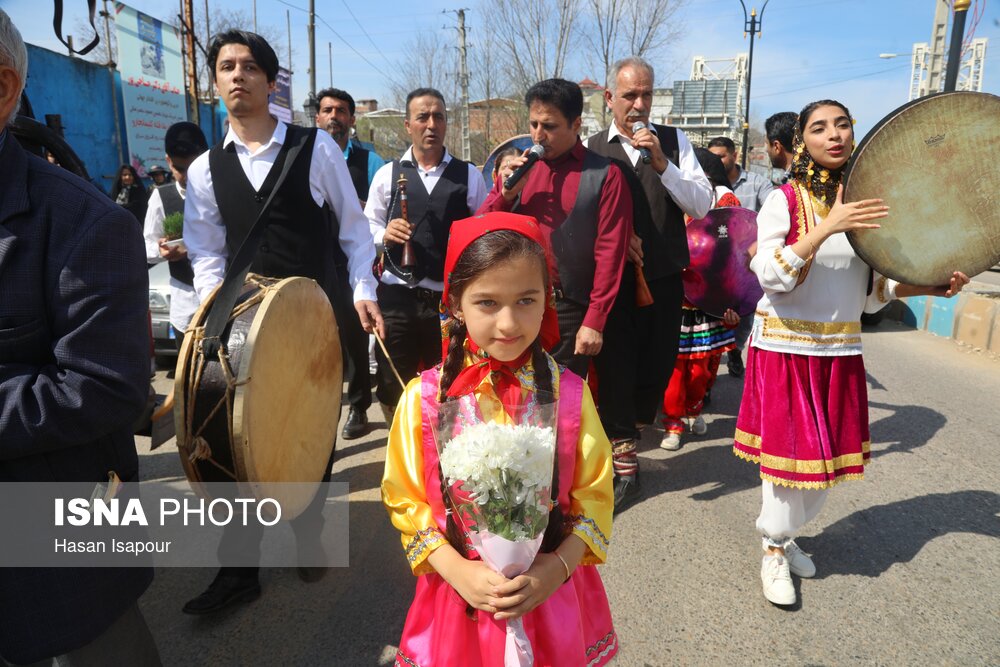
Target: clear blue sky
809, 48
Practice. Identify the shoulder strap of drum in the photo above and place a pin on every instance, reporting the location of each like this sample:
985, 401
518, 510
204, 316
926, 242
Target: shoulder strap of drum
236, 274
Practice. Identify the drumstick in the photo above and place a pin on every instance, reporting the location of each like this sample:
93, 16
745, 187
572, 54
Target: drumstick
381, 344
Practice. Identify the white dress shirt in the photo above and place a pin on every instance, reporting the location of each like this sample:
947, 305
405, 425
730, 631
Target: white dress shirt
329, 181
685, 182
381, 192
183, 299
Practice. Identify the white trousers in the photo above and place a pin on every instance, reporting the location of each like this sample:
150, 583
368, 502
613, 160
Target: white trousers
785, 511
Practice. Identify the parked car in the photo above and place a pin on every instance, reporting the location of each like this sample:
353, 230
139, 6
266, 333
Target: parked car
159, 309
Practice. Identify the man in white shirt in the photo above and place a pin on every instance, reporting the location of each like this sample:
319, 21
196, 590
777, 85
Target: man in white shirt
440, 189
640, 348
227, 188
183, 142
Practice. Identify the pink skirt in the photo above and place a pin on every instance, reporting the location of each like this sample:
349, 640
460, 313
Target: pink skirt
804, 419
572, 628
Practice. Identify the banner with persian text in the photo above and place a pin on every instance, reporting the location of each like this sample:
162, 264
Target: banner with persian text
152, 72
280, 104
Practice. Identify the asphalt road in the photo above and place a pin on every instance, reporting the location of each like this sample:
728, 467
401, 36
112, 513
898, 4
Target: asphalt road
907, 559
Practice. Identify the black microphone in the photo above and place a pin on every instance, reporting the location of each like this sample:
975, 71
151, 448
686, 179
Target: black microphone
536, 152
643, 152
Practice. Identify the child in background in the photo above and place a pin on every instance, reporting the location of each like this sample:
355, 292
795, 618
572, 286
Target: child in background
501, 318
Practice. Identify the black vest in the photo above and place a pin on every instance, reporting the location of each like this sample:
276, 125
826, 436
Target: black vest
357, 165
295, 239
657, 218
180, 269
573, 240
431, 216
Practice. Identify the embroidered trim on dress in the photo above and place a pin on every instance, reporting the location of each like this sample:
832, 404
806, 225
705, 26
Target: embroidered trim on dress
588, 527
808, 326
802, 338
785, 266
611, 641
421, 542
406, 660
804, 223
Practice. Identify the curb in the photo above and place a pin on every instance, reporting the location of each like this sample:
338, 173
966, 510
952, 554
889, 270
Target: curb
972, 319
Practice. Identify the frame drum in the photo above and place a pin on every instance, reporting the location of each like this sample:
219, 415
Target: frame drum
521, 142
269, 415
933, 161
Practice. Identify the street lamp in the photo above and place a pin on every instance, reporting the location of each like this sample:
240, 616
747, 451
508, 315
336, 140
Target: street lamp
311, 107
752, 26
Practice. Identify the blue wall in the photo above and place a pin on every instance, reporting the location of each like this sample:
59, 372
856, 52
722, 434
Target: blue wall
81, 92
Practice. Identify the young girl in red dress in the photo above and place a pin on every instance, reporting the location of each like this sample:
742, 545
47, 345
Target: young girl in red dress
501, 318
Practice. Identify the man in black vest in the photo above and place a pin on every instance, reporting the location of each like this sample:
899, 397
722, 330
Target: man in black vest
671, 184
336, 116
183, 143
227, 188
440, 189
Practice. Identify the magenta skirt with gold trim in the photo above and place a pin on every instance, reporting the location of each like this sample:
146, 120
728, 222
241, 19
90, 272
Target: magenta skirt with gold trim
804, 419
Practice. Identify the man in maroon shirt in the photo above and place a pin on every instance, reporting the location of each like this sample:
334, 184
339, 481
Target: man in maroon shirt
584, 208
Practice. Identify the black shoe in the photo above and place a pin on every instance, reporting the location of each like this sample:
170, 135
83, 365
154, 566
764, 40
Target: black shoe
627, 492
357, 424
225, 591
735, 364
708, 398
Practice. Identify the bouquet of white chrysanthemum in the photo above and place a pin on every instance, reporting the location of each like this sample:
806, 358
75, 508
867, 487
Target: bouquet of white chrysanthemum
506, 473
499, 479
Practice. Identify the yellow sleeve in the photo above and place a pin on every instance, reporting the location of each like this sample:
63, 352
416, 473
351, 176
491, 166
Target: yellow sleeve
403, 492
592, 496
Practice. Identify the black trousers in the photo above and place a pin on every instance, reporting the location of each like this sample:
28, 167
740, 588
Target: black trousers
412, 336
354, 343
658, 331
570, 315
241, 541
617, 364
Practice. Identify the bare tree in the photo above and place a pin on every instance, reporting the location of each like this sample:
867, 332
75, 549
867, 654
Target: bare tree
429, 61
621, 28
539, 35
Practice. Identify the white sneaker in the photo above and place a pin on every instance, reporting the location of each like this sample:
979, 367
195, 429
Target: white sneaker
777, 580
671, 441
799, 562
698, 426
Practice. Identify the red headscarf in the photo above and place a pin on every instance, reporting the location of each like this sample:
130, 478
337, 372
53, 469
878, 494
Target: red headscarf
463, 233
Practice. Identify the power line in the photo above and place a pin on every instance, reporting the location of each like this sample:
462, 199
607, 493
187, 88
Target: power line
836, 81
370, 40
341, 38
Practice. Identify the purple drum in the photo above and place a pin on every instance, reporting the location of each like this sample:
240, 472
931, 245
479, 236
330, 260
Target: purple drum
719, 276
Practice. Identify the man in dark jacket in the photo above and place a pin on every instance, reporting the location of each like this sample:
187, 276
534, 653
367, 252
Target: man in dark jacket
74, 373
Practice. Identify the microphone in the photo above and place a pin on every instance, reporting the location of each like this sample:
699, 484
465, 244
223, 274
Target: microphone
536, 152
643, 152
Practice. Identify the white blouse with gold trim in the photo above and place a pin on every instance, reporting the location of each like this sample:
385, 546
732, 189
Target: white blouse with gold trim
810, 307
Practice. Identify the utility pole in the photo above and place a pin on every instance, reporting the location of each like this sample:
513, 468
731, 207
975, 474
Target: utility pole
288, 23
463, 79
111, 78
752, 27
211, 75
961, 8
312, 49
329, 47
255, 16
192, 60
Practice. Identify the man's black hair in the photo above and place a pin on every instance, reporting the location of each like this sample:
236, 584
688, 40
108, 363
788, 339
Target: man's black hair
337, 94
261, 51
423, 92
781, 126
183, 140
712, 165
725, 142
560, 93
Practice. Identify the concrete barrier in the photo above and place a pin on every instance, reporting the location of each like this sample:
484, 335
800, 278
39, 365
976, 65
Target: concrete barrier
972, 319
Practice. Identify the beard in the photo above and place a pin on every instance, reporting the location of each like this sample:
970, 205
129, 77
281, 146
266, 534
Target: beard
338, 131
